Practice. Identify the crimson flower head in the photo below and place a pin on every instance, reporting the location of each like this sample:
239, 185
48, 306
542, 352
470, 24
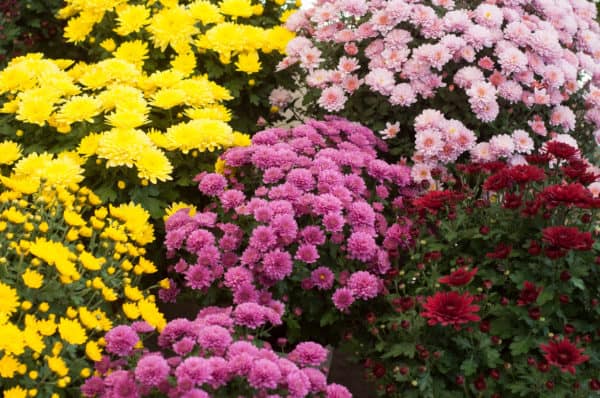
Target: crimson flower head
501, 251
560, 149
567, 238
564, 355
522, 174
529, 294
567, 195
460, 277
450, 308
436, 200
499, 181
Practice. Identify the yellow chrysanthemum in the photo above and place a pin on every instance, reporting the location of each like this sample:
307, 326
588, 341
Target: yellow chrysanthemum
79, 109
78, 28
131, 310
248, 62
15, 392
109, 45
71, 331
10, 152
8, 366
57, 365
154, 166
185, 63
131, 18
11, 337
32, 278
136, 220
88, 319
93, 351
65, 170
88, 145
90, 262
127, 118
47, 327
122, 147
135, 51
151, 314
9, 299
173, 26
36, 105
168, 98
237, 8
205, 12
214, 112
240, 139
201, 134
33, 339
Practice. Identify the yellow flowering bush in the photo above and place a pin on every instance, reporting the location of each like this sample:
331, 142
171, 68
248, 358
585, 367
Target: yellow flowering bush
70, 269
139, 135
237, 43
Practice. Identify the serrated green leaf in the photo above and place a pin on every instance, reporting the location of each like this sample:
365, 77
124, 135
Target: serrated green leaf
521, 346
545, 296
468, 367
578, 283
406, 349
491, 358
328, 319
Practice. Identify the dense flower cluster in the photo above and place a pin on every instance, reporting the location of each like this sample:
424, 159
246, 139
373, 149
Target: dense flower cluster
201, 358
485, 306
71, 267
303, 208
237, 43
507, 62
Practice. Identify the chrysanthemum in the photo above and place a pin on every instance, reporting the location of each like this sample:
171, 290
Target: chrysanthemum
450, 308
32, 278
131, 18
172, 26
9, 299
564, 355
154, 166
135, 51
71, 331
10, 152
122, 147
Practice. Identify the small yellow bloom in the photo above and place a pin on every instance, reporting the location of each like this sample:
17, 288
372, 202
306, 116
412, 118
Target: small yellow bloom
86, 372
121, 184
43, 227
26, 305
71, 331
32, 279
44, 307
93, 351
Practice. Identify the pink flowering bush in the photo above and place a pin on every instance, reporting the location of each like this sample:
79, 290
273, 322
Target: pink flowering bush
500, 298
303, 218
439, 74
207, 357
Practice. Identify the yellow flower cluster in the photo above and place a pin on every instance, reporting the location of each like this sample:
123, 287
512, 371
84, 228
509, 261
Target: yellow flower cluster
69, 269
189, 29
117, 94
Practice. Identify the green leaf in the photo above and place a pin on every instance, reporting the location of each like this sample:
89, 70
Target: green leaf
468, 367
328, 319
578, 283
491, 358
406, 349
521, 346
545, 296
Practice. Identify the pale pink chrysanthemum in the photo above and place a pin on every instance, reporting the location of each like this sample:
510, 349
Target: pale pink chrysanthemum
457, 21
517, 32
489, 15
512, 60
428, 118
351, 83
348, 65
318, 78
481, 92
403, 95
390, 130
482, 152
380, 80
466, 76
428, 142
485, 111
546, 43
538, 126
310, 58
523, 142
564, 117
502, 145
553, 76
332, 99
421, 172
510, 90
280, 97
594, 188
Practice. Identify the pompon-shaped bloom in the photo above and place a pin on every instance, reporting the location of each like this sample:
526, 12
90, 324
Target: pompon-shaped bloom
564, 355
343, 298
152, 370
363, 285
460, 277
121, 340
567, 238
450, 308
309, 353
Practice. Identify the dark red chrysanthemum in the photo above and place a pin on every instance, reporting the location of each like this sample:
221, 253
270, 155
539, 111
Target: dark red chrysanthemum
522, 174
435, 200
460, 277
450, 308
560, 149
564, 355
567, 195
529, 294
568, 238
501, 251
511, 200
538, 158
577, 170
496, 182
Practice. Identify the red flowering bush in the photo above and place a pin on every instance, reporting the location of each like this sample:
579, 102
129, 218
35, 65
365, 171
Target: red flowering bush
500, 297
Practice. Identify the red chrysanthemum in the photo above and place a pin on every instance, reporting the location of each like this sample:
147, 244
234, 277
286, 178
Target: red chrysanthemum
501, 251
529, 294
567, 238
460, 277
522, 174
577, 170
435, 200
450, 308
567, 195
560, 149
496, 182
564, 355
